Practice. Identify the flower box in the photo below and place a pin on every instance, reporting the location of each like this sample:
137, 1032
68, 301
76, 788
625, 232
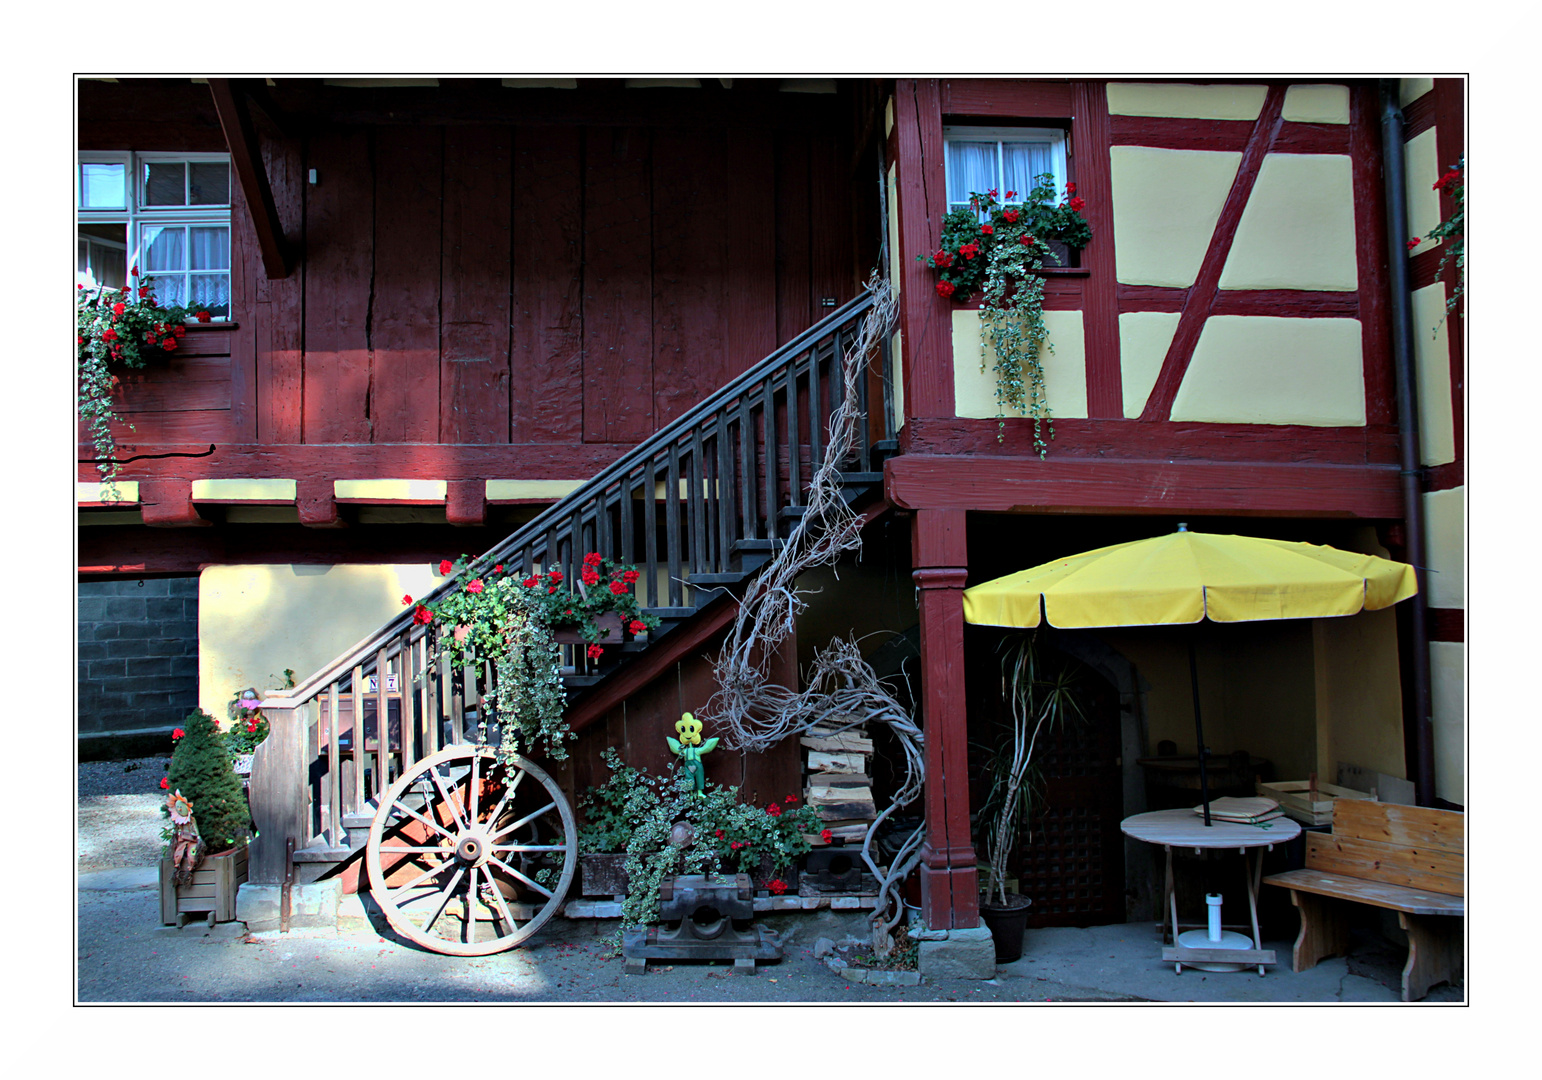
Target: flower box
609, 626
211, 892
603, 874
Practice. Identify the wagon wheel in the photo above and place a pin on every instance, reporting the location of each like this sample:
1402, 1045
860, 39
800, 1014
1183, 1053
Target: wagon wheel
470, 856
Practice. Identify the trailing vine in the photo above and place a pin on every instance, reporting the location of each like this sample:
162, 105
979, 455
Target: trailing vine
998, 249
1451, 232
529, 699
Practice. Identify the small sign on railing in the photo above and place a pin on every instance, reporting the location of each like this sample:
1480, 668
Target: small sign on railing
372, 683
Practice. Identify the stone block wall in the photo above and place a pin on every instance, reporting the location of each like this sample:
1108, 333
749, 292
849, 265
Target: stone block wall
137, 656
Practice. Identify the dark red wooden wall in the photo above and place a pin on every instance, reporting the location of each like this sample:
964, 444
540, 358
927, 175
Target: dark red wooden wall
496, 284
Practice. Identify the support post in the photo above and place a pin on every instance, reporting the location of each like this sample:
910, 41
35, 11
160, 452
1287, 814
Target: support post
278, 795
950, 890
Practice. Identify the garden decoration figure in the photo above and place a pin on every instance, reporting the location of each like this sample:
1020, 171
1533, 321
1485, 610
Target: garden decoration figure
689, 747
186, 845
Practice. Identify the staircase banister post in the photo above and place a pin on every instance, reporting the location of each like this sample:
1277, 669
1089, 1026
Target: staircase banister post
278, 789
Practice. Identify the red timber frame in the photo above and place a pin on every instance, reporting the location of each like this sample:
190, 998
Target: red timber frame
1106, 463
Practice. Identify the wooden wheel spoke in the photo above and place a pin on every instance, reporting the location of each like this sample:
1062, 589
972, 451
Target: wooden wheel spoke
526, 847
444, 899
392, 849
461, 820
474, 789
469, 916
410, 812
523, 821
508, 793
537, 886
424, 876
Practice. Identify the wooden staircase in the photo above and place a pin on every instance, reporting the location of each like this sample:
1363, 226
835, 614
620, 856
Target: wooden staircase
700, 508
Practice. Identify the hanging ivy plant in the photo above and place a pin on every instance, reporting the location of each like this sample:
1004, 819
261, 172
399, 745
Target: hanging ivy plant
119, 328
998, 249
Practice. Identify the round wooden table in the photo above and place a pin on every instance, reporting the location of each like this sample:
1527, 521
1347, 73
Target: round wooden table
1186, 829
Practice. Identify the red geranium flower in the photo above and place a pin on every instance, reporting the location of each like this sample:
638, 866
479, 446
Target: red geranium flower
252, 726
134, 270
943, 258
498, 569
422, 616
551, 589
169, 344
991, 193
592, 559
445, 566
1070, 189
165, 783
202, 316
1413, 242
945, 288
986, 230
969, 250
1077, 204
1010, 215
109, 334
595, 651
720, 834
618, 587
1011, 194
177, 734
406, 600
118, 308
825, 835
777, 886
790, 799
530, 582
1026, 240
637, 626
588, 576
555, 577
474, 586
774, 810
630, 576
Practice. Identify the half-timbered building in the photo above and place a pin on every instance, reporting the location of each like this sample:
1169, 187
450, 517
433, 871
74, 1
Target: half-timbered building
446, 309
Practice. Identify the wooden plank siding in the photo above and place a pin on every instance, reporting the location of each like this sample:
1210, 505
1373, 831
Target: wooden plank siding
492, 285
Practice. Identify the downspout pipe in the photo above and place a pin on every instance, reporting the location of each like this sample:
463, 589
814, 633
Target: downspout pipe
1410, 472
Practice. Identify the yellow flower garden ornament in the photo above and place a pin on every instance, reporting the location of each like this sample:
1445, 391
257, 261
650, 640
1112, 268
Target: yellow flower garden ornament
689, 747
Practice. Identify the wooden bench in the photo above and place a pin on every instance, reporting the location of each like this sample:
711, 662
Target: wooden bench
1405, 858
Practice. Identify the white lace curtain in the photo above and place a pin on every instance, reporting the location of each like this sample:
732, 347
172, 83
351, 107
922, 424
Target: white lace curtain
174, 255
1005, 166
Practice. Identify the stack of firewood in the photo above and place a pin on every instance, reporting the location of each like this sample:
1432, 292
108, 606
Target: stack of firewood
839, 785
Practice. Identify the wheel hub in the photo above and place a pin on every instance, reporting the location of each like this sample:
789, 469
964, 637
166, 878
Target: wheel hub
472, 849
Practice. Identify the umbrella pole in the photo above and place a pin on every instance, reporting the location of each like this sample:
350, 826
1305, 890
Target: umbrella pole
1199, 729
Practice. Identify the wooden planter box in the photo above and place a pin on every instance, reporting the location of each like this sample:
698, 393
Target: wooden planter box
211, 893
1295, 799
610, 632
603, 875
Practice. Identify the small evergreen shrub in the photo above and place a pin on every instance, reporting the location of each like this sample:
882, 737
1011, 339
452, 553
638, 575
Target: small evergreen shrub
202, 771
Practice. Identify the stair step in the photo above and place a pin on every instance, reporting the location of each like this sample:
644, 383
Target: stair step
697, 580
671, 612
862, 477
320, 853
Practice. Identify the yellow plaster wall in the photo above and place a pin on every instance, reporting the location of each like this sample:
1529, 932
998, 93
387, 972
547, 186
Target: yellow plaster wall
1410, 90
417, 490
256, 620
119, 491
531, 489
1358, 698
233, 490
1421, 160
1256, 689
1256, 369
1432, 368
1065, 369
1144, 337
1205, 102
896, 345
1298, 228
1316, 103
1448, 690
1445, 520
1166, 205
892, 184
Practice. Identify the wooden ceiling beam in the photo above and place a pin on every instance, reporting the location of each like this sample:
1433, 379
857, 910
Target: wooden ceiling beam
246, 159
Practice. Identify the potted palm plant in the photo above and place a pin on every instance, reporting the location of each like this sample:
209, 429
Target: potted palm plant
1041, 696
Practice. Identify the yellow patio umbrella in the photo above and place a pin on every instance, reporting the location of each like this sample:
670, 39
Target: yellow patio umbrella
1185, 577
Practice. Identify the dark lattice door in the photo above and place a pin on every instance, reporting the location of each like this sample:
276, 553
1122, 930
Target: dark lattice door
1073, 863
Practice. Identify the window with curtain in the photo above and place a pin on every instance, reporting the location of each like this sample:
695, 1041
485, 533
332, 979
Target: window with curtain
169, 214
1007, 159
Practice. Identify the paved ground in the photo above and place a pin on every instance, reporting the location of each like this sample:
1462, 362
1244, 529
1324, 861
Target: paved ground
124, 955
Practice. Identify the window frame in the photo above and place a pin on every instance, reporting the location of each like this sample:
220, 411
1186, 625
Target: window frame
135, 215
1057, 137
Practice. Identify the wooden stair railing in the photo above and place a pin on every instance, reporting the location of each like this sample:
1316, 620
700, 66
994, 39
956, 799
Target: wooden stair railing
698, 507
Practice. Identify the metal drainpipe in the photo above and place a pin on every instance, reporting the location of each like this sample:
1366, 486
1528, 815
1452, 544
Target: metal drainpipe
1410, 472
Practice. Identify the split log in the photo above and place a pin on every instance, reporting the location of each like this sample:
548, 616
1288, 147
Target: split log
845, 762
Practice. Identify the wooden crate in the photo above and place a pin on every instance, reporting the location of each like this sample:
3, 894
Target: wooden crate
1295, 799
213, 888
